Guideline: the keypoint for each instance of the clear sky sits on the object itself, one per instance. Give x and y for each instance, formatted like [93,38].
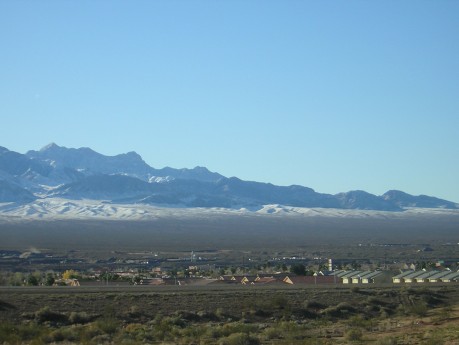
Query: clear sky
[333,95]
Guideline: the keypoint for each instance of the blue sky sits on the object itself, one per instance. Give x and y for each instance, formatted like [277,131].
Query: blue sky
[333,95]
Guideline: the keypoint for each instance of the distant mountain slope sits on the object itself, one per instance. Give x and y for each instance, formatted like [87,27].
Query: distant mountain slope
[403,199]
[104,187]
[33,174]
[257,193]
[9,192]
[67,173]
[15,163]
[90,162]
[365,201]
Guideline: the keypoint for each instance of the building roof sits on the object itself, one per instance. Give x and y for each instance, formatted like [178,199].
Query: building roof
[265,280]
[232,278]
[343,274]
[371,275]
[426,275]
[452,275]
[311,279]
[414,274]
[363,274]
[328,273]
[439,275]
[403,274]
[350,274]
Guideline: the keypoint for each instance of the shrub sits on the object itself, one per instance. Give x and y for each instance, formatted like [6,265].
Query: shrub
[435,339]
[5,305]
[208,316]
[90,332]
[188,316]
[360,322]
[354,334]
[384,313]
[69,334]
[419,309]
[220,313]
[314,305]
[133,312]
[12,334]
[343,309]
[445,313]
[79,317]
[31,331]
[387,341]
[240,339]
[355,289]
[306,314]
[195,332]
[108,325]
[230,328]
[375,301]
[278,302]
[101,339]
[45,314]
[262,313]
[271,333]
[431,300]
[56,336]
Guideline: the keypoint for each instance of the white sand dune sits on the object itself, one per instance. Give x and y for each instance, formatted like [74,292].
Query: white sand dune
[56,208]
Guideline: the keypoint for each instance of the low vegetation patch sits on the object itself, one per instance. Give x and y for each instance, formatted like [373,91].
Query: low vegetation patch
[232,317]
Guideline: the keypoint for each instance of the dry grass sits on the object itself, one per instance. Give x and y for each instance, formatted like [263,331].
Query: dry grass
[380,316]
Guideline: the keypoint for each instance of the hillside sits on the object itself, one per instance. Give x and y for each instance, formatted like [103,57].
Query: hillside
[61,173]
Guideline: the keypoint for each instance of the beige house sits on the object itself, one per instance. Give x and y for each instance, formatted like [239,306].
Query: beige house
[399,278]
[410,277]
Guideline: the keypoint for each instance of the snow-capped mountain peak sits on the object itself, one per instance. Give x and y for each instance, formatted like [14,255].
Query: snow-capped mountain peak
[68,173]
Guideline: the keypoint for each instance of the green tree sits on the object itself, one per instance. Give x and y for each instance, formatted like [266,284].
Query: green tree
[32,280]
[49,280]
[70,274]
[355,265]
[17,279]
[136,280]
[323,267]
[298,269]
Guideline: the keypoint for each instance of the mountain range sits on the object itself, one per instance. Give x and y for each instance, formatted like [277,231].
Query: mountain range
[66,173]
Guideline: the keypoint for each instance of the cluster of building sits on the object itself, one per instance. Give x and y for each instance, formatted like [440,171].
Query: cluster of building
[319,278]
[358,277]
[348,277]
[323,277]
[422,276]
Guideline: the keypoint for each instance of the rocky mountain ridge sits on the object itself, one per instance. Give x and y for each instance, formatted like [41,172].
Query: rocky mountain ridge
[68,173]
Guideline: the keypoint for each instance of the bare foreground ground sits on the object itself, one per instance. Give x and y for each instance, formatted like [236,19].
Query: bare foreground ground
[230,315]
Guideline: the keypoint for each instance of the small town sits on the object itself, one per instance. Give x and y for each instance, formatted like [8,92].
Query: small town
[38,269]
